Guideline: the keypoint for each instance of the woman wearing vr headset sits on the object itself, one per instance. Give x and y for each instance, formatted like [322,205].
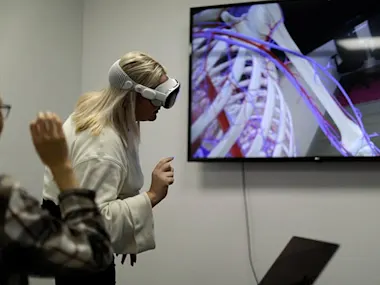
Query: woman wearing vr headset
[103,136]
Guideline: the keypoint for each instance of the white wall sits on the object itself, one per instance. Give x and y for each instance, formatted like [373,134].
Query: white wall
[40,69]
[200,228]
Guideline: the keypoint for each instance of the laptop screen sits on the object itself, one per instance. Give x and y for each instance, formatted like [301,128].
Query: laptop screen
[300,263]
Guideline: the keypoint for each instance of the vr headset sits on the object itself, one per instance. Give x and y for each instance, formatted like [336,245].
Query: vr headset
[164,95]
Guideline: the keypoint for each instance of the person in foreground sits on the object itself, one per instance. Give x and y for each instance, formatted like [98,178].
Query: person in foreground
[103,136]
[32,242]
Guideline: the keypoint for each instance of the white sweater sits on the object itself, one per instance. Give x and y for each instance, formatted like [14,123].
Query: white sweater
[104,163]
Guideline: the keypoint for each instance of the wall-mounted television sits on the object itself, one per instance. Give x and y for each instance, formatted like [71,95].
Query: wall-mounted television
[287,80]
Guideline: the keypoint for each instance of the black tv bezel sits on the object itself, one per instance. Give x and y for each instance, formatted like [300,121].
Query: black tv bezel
[190,158]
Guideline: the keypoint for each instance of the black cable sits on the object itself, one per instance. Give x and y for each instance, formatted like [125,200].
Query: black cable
[245,194]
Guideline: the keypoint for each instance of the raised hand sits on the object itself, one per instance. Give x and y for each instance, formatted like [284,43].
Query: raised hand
[49,140]
[162,177]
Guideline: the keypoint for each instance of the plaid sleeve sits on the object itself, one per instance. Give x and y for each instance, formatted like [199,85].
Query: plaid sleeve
[78,241]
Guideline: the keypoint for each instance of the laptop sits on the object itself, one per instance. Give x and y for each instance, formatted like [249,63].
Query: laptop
[300,263]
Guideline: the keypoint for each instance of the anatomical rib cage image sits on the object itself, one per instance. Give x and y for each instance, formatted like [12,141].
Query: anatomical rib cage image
[278,80]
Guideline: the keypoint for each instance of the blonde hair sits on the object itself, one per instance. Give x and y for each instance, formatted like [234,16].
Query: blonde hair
[114,107]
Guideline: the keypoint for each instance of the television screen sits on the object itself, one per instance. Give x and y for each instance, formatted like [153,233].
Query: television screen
[285,80]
